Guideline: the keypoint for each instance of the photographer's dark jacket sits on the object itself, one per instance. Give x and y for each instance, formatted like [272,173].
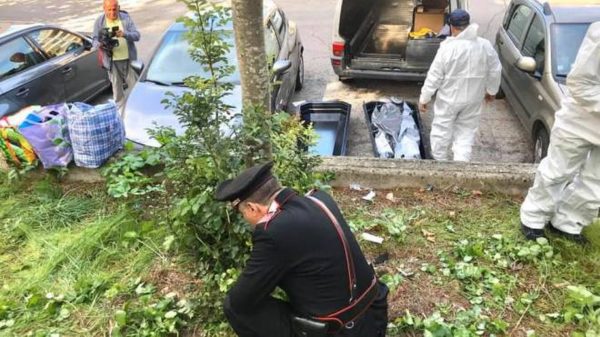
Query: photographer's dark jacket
[299,251]
[131,35]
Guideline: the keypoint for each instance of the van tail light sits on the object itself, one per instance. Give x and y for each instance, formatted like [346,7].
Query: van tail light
[335,62]
[338,48]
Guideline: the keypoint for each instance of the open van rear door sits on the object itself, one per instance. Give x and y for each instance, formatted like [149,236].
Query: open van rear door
[454,4]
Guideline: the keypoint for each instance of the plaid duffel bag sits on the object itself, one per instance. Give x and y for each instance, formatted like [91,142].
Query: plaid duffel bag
[96,133]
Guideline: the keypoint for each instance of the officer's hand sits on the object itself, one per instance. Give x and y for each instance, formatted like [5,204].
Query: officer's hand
[423,107]
[489,98]
[120,33]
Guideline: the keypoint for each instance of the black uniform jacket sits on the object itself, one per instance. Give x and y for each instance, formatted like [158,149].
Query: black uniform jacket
[299,251]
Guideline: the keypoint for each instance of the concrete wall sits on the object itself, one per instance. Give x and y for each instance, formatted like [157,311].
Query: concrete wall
[513,179]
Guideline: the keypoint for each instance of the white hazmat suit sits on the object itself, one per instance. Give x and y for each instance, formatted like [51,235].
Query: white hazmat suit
[465,68]
[566,190]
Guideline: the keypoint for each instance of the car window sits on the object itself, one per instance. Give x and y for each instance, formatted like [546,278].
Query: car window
[56,42]
[278,21]
[566,41]
[534,45]
[518,22]
[271,44]
[16,56]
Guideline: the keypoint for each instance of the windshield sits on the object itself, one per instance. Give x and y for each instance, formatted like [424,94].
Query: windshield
[172,62]
[566,41]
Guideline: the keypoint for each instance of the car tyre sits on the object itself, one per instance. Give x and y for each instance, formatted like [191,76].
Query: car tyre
[500,94]
[300,75]
[541,143]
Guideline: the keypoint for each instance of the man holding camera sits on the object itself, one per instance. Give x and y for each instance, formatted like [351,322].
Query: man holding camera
[115,34]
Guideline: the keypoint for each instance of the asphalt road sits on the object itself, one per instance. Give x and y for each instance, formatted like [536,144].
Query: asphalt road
[501,137]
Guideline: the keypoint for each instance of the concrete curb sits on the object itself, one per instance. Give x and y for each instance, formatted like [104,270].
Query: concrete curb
[512,179]
[389,174]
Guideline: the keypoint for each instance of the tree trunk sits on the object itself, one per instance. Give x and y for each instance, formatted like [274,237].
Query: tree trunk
[252,65]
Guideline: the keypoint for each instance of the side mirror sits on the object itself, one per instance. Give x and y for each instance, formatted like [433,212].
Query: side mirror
[281,67]
[87,45]
[137,66]
[527,64]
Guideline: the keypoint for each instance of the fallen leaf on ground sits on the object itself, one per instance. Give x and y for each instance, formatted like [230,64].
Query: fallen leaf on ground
[429,236]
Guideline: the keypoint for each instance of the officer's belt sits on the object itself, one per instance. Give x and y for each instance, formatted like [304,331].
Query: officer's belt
[346,316]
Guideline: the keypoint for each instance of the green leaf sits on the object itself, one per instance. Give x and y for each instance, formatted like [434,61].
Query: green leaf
[121,317]
[171,314]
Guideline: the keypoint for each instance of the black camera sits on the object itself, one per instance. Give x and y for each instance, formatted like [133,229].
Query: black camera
[107,40]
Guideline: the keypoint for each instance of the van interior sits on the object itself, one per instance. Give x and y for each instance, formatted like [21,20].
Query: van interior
[383,39]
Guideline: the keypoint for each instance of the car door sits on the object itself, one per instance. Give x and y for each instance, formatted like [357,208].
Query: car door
[288,52]
[26,78]
[532,93]
[510,41]
[82,75]
[272,48]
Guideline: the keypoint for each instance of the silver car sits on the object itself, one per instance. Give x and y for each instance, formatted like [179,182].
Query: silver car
[537,44]
[171,64]
[43,64]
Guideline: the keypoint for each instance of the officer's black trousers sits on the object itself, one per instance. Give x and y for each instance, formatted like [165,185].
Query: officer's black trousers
[273,319]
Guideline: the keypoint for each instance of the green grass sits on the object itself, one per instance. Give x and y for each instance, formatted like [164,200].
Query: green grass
[470,264]
[77,263]
[61,251]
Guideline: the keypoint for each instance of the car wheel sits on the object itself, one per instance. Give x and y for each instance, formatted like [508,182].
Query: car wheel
[500,94]
[542,140]
[300,75]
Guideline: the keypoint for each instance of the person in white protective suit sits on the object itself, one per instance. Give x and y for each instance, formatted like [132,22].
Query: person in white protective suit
[465,71]
[566,192]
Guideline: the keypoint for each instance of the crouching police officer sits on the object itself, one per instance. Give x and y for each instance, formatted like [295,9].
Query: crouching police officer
[303,245]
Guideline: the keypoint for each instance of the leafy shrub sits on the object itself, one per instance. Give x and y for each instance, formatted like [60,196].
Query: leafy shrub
[214,147]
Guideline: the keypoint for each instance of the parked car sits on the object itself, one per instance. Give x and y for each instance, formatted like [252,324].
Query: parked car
[537,44]
[171,63]
[44,64]
[371,38]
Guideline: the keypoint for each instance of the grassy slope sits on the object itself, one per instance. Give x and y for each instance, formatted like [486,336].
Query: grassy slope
[70,257]
[421,227]
[61,250]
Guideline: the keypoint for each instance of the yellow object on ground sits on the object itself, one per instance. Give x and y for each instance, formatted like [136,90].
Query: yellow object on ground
[421,33]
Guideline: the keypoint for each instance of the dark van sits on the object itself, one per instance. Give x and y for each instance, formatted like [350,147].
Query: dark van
[372,38]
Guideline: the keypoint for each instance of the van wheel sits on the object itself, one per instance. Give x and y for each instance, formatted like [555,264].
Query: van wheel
[500,94]
[300,75]
[345,79]
[542,140]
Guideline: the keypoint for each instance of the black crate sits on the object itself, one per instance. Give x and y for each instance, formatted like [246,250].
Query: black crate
[331,121]
[369,107]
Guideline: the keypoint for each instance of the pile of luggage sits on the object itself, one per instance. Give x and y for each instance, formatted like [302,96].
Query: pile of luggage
[57,134]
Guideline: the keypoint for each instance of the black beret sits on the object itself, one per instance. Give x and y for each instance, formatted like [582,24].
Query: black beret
[241,187]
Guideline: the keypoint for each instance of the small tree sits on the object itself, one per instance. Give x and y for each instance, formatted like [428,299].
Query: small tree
[206,154]
[252,65]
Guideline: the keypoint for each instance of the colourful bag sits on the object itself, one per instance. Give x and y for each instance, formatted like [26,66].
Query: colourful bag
[48,134]
[96,133]
[15,148]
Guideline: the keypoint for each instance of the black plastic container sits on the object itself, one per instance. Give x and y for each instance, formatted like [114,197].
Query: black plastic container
[369,107]
[331,121]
